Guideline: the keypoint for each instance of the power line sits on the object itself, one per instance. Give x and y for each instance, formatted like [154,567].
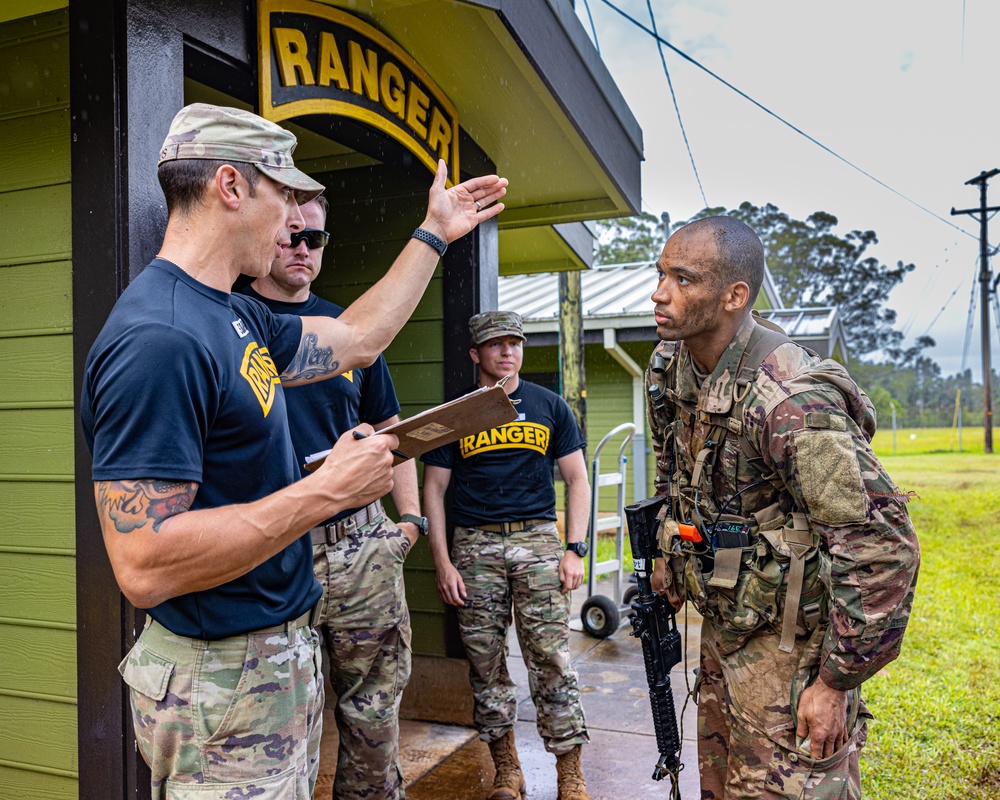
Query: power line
[782,120]
[968,327]
[590,16]
[939,313]
[673,96]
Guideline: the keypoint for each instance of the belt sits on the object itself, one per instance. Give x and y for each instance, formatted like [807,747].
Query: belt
[333,532]
[510,527]
[301,621]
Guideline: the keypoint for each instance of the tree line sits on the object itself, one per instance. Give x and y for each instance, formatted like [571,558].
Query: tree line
[813,265]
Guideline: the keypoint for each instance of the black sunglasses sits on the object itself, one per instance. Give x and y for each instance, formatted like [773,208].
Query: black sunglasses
[313,237]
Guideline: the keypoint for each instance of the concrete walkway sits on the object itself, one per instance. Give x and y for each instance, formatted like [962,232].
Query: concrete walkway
[448,762]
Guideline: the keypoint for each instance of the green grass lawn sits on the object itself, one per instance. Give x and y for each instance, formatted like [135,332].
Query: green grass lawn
[909,441]
[937,708]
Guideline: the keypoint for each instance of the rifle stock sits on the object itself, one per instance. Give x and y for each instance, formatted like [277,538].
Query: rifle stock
[655,625]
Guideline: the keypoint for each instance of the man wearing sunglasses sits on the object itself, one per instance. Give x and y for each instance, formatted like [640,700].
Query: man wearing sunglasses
[358,554]
[198,495]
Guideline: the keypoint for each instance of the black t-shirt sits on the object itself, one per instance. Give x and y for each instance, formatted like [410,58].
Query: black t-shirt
[182,384]
[319,413]
[505,474]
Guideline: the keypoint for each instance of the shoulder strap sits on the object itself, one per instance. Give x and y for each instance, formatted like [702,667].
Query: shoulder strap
[763,342]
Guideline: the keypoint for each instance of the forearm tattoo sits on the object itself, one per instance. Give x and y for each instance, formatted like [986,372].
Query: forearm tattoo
[311,362]
[133,504]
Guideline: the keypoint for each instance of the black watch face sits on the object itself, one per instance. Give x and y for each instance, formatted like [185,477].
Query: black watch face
[580,548]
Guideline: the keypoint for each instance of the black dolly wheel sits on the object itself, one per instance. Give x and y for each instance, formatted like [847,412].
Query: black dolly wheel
[600,616]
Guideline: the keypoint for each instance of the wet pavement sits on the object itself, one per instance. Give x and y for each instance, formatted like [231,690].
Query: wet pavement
[448,762]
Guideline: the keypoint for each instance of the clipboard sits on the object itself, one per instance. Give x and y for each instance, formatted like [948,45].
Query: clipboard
[477,411]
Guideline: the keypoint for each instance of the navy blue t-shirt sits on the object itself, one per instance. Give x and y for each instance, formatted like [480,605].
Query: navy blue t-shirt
[505,474]
[319,413]
[182,384]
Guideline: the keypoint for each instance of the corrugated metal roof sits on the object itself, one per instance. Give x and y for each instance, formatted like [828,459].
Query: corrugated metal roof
[803,322]
[622,290]
[619,297]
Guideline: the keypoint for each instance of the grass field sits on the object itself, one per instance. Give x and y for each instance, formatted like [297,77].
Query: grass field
[937,707]
[909,441]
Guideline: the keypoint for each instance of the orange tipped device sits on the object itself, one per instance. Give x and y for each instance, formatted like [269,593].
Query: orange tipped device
[689,533]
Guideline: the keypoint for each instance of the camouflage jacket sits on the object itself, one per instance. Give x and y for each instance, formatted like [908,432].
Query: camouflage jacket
[808,427]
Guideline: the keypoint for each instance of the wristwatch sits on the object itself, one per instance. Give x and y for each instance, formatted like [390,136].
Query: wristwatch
[420,522]
[580,548]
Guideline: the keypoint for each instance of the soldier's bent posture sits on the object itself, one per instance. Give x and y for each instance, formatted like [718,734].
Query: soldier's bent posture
[785,531]
[507,553]
[358,554]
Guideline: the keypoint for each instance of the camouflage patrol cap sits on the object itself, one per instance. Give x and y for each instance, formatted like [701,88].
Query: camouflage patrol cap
[491,324]
[218,133]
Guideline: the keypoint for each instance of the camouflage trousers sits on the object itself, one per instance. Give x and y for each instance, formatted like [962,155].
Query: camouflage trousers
[365,627]
[235,717]
[747,746]
[518,572]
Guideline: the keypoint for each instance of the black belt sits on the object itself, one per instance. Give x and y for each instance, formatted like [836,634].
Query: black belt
[510,527]
[333,532]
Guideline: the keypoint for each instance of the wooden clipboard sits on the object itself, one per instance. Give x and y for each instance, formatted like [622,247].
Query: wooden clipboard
[469,414]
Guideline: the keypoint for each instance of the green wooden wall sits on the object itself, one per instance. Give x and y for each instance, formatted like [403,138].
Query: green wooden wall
[609,404]
[38,725]
[352,263]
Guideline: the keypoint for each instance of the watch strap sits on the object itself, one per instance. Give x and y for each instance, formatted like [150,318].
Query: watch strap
[413,519]
[427,237]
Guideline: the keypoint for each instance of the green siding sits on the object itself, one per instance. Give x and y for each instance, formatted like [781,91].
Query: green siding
[609,404]
[416,357]
[38,720]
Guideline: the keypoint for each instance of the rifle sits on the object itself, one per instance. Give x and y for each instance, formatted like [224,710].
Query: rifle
[655,625]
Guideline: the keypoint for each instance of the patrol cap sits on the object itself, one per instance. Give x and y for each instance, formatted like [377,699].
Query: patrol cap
[491,324]
[218,133]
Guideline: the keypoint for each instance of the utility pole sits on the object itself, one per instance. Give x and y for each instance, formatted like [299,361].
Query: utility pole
[984,284]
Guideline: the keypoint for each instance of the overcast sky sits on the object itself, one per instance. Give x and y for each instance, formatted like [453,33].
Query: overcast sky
[903,90]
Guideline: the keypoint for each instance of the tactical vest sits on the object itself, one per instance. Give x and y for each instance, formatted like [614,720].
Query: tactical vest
[745,573]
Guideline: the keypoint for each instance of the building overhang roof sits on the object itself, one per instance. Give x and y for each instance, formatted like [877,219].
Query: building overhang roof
[533,93]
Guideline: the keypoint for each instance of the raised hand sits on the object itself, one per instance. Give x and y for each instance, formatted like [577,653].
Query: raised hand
[452,213]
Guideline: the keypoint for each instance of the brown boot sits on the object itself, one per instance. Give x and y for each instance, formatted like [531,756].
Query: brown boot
[572,786]
[509,782]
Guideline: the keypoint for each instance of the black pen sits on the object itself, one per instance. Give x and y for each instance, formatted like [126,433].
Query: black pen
[400,453]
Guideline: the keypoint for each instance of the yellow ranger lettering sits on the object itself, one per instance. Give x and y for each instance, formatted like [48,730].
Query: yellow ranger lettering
[512,436]
[364,71]
[259,371]
[338,64]
[331,67]
[293,56]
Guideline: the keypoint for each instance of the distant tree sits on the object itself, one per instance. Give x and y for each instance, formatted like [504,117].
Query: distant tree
[630,239]
[811,265]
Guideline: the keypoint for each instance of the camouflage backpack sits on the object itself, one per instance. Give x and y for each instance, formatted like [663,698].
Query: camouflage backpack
[722,568]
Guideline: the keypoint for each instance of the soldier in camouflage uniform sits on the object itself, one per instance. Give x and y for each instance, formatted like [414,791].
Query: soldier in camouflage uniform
[508,556]
[183,408]
[358,554]
[783,528]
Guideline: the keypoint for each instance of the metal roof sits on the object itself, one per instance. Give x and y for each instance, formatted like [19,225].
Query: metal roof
[619,297]
[620,291]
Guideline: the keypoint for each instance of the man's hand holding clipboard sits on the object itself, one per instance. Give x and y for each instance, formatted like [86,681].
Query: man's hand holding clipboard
[469,414]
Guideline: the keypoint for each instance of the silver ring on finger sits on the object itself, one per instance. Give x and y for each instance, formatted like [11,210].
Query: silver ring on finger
[478,206]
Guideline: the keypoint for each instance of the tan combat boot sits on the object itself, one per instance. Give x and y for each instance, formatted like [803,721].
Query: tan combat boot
[572,786]
[509,782]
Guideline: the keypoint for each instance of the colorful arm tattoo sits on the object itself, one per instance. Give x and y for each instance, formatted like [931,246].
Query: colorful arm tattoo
[132,504]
